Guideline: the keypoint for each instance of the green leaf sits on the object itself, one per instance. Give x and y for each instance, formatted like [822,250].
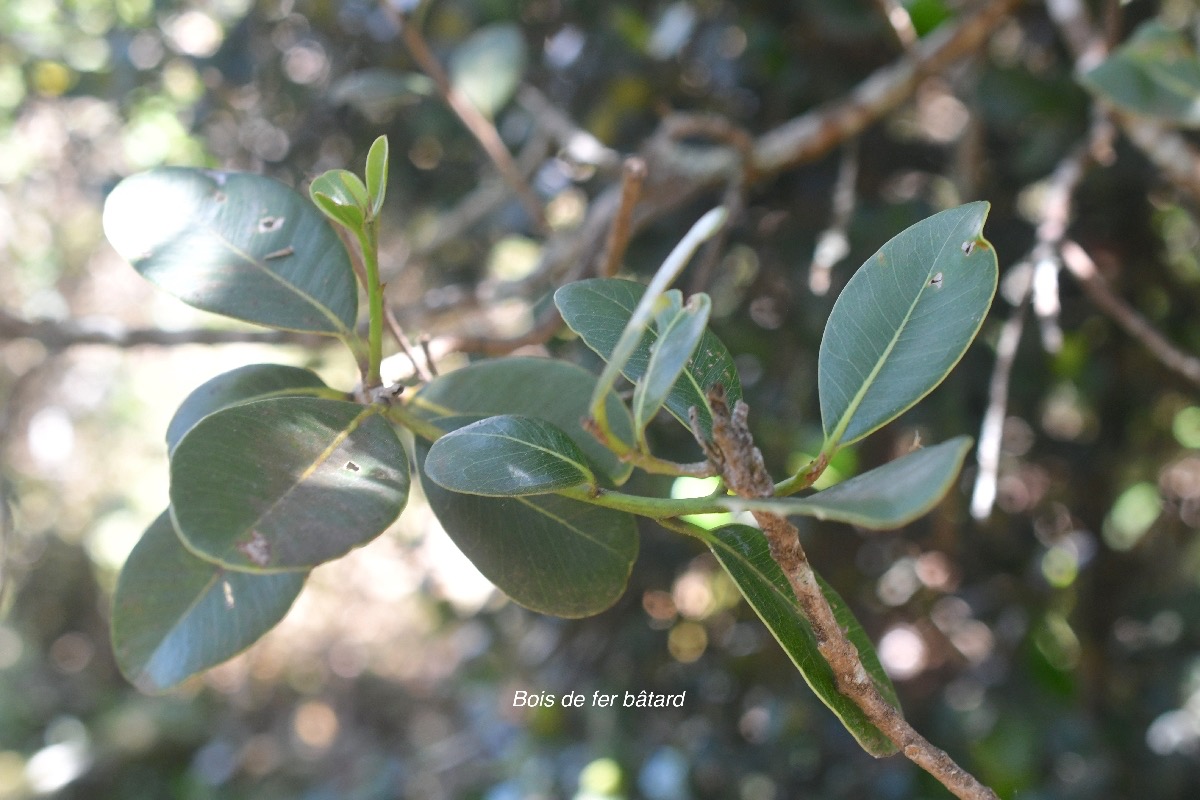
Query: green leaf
[240,245]
[903,321]
[341,196]
[548,553]
[554,391]
[679,332]
[286,483]
[379,93]
[1156,74]
[349,216]
[488,66]
[507,456]
[643,313]
[252,382]
[175,615]
[743,552]
[600,308]
[884,498]
[377,174]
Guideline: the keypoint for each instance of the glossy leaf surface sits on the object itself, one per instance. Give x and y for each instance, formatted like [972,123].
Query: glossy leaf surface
[904,320]
[507,456]
[377,174]
[287,482]
[341,196]
[554,391]
[884,498]
[240,245]
[1156,74]
[175,614]
[251,382]
[600,308]
[743,552]
[548,553]
[679,333]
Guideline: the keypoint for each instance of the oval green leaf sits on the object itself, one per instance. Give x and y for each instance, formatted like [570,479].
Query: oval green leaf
[286,483]
[903,321]
[883,499]
[745,555]
[175,615]
[377,174]
[341,196]
[599,309]
[1156,74]
[679,335]
[548,553]
[378,93]
[251,382]
[507,456]
[488,66]
[554,391]
[240,245]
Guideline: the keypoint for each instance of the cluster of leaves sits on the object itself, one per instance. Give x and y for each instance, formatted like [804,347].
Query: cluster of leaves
[273,472]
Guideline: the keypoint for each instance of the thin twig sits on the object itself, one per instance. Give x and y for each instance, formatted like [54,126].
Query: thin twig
[577,145]
[833,244]
[61,334]
[633,175]
[427,349]
[1083,268]
[421,366]
[542,331]
[740,464]
[900,21]
[1034,277]
[479,125]
[991,432]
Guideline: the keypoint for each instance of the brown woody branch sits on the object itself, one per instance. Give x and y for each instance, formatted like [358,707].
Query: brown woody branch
[1081,266]
[733,454]
[61,334]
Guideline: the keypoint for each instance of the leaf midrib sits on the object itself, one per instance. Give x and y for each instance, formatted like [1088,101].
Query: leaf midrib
[844,422]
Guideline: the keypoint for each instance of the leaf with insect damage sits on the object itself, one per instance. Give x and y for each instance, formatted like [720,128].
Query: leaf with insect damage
[175,615]
[240,245]
[903,322]
[286,483]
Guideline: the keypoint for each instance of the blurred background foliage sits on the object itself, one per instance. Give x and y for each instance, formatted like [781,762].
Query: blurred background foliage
[1053,647]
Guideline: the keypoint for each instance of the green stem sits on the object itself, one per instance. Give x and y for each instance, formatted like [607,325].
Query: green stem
[686,528]
[399,414]
[806,477]
[368,240]
[657,508]
[648,462]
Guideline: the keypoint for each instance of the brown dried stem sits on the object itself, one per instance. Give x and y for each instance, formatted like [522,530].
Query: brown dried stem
[479,125]
[1081,265]
[732,452]
[633,175]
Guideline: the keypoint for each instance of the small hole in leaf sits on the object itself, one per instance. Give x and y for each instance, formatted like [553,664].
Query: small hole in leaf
[936,281]
[968,248]
[269,224]
[227,587]
[350,465]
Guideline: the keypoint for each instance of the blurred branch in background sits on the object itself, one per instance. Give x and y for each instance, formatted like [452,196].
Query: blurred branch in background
[62,334]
